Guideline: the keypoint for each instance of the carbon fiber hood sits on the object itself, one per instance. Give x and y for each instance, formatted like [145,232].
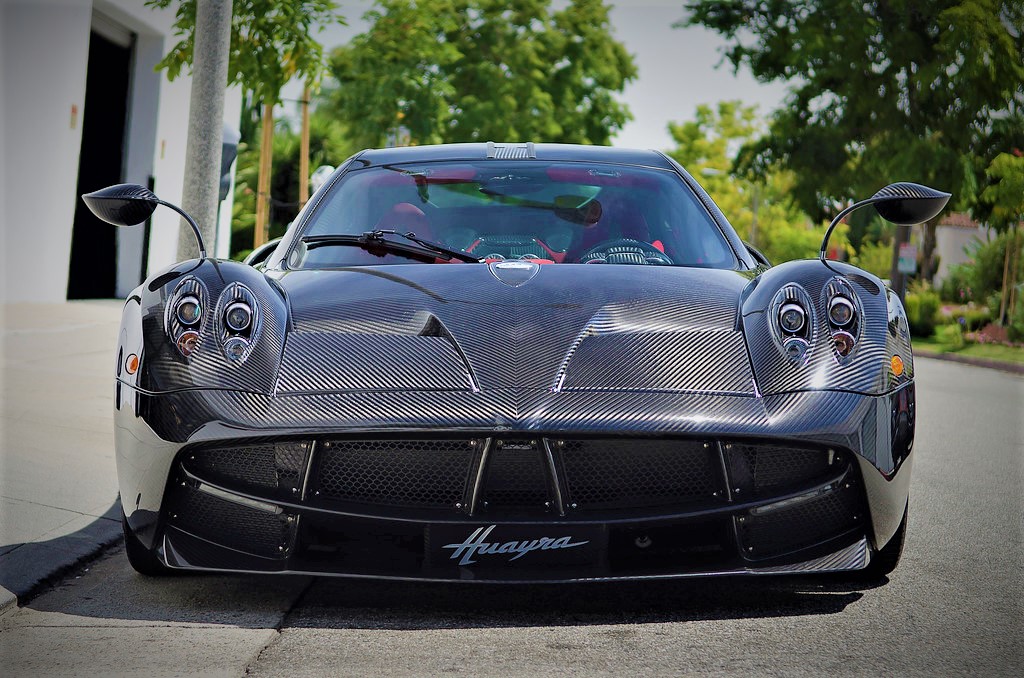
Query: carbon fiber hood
[514,326]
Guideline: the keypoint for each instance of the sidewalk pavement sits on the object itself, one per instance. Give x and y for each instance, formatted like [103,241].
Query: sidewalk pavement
[1016,368]
[58,489]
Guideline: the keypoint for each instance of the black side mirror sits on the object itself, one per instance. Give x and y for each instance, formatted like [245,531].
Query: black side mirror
[123,204]
[131,204]
[903,203]
[906,204]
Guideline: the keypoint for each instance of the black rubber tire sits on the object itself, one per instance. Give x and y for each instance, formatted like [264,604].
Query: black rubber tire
[142,560]
[885,561]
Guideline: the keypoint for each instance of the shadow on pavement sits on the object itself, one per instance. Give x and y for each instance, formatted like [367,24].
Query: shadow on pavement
[335,603]
[26,567]
[111,590]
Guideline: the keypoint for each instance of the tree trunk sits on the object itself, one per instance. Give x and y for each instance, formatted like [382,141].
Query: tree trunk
[304,150]
[1014,273]
[1004,294]
[928,243]
[201,189]
[263,183]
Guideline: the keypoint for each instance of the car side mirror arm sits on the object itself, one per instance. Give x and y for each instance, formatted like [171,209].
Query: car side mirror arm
[902,203]
[131,204]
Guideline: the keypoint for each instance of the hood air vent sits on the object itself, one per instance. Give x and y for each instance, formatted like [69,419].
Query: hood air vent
[511,151]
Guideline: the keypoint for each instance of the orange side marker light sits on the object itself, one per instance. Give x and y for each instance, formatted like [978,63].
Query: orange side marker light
[897,365]
[132,364]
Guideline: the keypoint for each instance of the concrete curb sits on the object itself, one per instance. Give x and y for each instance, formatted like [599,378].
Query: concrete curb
[28,568]
[1015,368]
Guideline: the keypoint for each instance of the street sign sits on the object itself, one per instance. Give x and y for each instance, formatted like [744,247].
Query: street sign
[908,258]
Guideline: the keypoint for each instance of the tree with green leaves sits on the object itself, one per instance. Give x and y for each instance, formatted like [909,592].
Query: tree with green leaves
[329,145]
[759,208]
[476,70]
[1004,198]
[272,41]
[883,90]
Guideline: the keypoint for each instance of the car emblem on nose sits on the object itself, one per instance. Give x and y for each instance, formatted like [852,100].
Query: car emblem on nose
[475,546]
[514,273]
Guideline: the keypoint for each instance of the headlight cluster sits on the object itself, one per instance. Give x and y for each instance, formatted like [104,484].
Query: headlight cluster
[184,316]
[843,317]
[235,321]
[792,320]
[239,321]
[792,323]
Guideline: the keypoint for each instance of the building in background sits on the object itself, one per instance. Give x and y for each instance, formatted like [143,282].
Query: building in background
[956,238]
[83,108]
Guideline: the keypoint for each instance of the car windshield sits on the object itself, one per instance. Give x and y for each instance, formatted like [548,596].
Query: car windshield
[547,212]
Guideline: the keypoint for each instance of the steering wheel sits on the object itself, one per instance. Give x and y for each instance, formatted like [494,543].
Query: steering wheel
[625,251]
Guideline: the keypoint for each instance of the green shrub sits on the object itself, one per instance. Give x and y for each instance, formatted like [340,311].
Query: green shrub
[969,318]
[874,257]
[951,336]
[1015,330]
[956,287]
[922,311]
[981,279]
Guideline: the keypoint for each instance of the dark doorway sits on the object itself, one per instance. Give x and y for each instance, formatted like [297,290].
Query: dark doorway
[93,270]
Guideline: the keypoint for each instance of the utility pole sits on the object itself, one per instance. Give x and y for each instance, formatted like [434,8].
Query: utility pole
[756,204]
[206,121]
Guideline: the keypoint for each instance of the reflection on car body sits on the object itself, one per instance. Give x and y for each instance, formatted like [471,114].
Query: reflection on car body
[486,362]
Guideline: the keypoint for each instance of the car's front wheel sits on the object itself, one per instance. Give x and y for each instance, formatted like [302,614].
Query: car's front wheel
[884,561]
[141,559]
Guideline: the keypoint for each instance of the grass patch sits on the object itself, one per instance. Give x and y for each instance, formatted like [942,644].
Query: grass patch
[1006,354]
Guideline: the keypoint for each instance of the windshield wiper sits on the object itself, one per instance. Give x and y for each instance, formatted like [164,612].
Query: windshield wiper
[379,234]
[371,239]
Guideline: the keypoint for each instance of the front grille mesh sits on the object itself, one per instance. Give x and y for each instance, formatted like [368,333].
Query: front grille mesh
[596,474]
[277,467]
[516,476]
[802,525]
[224,522]
[639,473]
[780,466]
[410,473]
[766,468]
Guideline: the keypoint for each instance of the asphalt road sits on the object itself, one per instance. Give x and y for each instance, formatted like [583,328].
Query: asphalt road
[954,606]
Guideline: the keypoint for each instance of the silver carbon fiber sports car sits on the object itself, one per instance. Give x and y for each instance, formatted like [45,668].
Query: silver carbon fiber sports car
[514,362]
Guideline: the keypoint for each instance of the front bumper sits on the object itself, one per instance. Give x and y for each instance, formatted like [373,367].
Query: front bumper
[204,499]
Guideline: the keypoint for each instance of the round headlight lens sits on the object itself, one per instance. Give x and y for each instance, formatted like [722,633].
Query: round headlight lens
[235,348]
[188,342]
[844,343]
[840,311]
[238,316]
[792,318]
[795,349]
[189,311]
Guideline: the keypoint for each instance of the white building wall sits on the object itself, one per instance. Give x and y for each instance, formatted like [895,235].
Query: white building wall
[43,50]
[143,106]
[954,246]
[3,170]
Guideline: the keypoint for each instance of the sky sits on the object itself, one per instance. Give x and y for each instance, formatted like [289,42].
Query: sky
[678,69]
